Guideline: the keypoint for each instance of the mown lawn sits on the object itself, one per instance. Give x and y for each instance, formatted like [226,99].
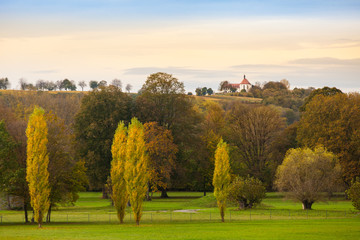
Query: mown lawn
[280,229]
[276,218]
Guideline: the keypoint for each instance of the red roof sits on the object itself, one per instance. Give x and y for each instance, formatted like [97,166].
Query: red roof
[245,81]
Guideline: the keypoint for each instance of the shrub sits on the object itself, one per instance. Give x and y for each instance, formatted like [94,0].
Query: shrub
[246,192]
[354,193]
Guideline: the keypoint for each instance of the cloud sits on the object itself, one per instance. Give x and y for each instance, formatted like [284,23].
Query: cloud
[45,71]
[326,61]
[182,71]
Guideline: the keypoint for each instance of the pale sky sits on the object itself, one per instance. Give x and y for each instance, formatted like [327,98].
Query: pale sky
[311,43]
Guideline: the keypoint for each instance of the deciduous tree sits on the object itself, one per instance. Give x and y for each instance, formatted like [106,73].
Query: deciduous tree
[221,179]
[162,153]
[252,130]
[136,167]
[334,122]
[37,174]
[305,175]
[119,195]
[95,124]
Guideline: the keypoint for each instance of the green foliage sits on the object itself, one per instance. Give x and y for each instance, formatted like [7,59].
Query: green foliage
[67,176]
[136,167]
[4,83]
[162,154]
[119,195]
[253,132]
[93,84]
[95,124]
[306,174]
[37,174]
[198,91]
[334,122]
[246,192]
[325,91]
[162,99]
[7,158]
[221,179]
[354,193]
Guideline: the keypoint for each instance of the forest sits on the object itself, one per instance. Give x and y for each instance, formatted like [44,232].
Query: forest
[181,134]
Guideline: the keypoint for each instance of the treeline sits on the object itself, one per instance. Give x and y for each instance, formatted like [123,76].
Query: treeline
[66,84]
[181,131]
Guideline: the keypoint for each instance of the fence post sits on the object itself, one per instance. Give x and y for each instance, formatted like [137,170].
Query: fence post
[270,214]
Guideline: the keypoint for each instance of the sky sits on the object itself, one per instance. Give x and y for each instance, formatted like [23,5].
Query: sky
[311,43]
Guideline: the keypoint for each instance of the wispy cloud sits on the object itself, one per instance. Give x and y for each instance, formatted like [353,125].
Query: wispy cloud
[182,71]
[44,71]
[327,61]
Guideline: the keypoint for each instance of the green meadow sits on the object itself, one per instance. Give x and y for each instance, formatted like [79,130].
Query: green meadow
[189,215]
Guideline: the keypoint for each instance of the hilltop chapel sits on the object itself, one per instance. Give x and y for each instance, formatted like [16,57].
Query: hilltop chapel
[244,85]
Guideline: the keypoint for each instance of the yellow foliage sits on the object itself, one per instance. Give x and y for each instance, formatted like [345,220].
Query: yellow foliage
[37,174]
[119,192]
[136,167]
[221,179]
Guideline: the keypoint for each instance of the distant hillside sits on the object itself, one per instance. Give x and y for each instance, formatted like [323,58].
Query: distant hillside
[226,98]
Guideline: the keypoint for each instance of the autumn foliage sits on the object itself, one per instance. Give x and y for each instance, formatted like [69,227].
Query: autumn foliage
[37,174]
[221,179]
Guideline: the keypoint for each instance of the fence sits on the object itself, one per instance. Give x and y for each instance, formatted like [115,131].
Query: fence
[187,216]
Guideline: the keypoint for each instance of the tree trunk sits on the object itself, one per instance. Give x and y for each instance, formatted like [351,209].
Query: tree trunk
[204,186]
[148,197]
[105,194]
[164,193]
[48,216]
[306,205]
[25,211]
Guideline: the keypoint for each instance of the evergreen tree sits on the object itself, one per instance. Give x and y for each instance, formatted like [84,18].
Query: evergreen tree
[221,179]
[119,192]
[136,167]
[37,174]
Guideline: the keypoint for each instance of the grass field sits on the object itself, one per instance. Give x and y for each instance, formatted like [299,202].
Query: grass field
[198,218]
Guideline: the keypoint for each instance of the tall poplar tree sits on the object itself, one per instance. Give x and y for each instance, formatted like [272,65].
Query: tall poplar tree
[119,192]
[37,174]
[221,179]
[136,167]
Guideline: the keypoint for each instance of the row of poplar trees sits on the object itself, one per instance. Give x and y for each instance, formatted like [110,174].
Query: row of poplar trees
[129,169]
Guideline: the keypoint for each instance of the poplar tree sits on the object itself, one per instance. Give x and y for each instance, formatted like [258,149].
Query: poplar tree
[119,192]
[37,161]
[221,179]
[136,165]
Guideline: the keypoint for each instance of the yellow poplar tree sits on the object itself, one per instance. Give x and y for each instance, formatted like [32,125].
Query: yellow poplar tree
[119,192]
[221,179]
[37,174]
[136,167]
